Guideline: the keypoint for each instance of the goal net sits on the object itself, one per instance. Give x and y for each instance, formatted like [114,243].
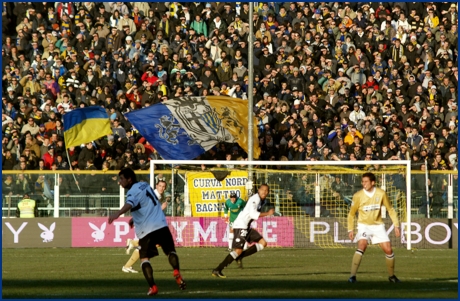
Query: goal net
[311,199]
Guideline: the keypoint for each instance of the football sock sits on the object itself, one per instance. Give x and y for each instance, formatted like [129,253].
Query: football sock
[230,240]
[148,272]
[356,261]
[229,259]
[390,261]
[173,260]
[134,257]
[135,243]
[251,250]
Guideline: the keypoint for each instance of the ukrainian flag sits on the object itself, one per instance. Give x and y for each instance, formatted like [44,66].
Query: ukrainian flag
[85,125]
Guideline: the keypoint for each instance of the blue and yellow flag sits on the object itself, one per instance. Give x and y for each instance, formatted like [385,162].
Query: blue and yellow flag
[184,128]
[85,125]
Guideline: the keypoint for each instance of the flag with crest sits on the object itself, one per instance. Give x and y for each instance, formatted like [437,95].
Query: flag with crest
[186,127]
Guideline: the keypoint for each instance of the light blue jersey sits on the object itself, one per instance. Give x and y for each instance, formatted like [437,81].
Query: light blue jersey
[146,209]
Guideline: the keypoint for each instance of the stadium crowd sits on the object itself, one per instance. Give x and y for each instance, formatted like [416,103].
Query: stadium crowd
[333,81]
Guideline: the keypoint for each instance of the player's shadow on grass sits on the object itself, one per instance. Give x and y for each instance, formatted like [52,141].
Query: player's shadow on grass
[235,286]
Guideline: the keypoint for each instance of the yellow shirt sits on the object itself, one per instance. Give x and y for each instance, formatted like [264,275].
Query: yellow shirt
[432,22]
[350,139]
[26,208]
[369,209]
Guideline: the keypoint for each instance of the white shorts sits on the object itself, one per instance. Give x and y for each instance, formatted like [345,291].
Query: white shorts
[374,233]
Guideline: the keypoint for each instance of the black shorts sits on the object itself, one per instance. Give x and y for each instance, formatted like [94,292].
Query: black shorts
[241,236]
[148,244]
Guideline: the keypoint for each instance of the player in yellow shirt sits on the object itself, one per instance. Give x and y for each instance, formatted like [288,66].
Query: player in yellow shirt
[368,203]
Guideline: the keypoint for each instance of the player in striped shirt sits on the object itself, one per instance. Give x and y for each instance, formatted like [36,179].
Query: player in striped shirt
[368,203]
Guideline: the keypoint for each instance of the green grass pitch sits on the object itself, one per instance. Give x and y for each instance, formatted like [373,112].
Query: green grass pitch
[88,273]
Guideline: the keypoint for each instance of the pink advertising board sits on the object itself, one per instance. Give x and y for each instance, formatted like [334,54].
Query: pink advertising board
[96,232]
[187,231]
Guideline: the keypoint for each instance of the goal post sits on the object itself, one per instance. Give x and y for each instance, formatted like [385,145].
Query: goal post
[308,219]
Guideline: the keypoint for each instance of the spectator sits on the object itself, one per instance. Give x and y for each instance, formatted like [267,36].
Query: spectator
[383,75]
[27,208]
[341,190]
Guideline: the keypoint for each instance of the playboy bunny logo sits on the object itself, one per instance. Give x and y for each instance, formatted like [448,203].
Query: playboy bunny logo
[48,234]
[98,234]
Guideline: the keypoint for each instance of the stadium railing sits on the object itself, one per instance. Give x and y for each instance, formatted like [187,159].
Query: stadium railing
[98,192]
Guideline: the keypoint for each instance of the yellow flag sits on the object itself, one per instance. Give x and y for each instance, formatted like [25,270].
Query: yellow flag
[234,115]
